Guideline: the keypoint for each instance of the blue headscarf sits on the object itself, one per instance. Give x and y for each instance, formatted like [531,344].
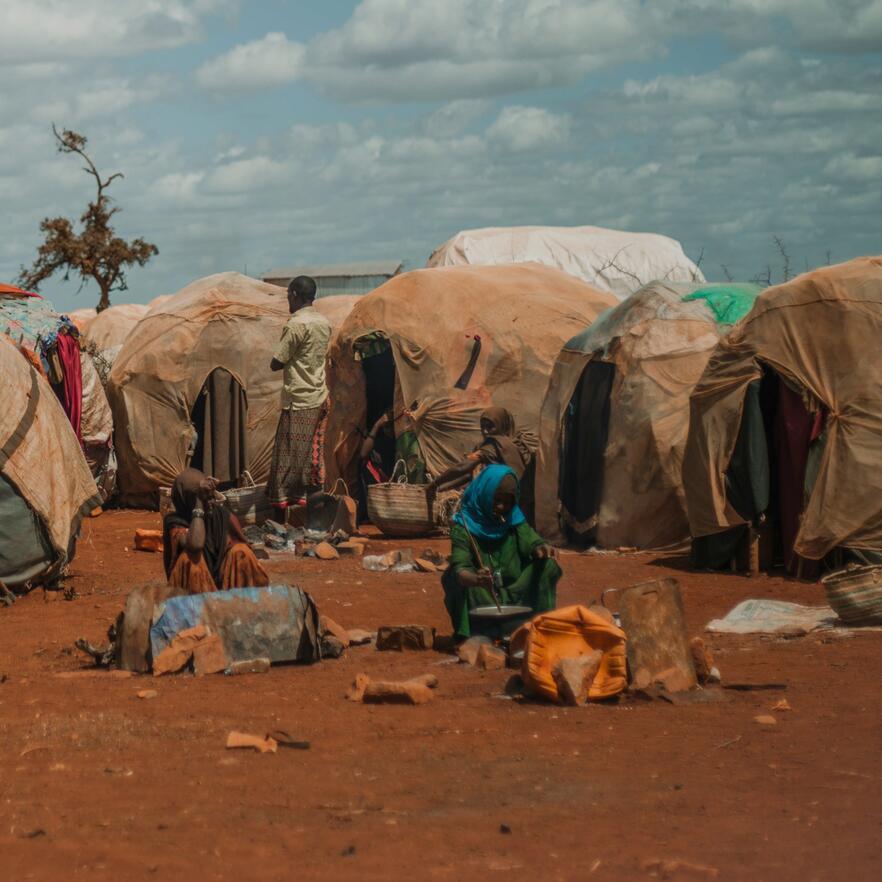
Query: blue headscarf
[476,511]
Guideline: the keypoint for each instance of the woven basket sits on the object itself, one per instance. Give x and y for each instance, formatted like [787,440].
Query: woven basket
[249,503]
[399,508]
[855,593]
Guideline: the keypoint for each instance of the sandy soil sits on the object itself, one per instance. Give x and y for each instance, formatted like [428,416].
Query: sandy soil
[97,784]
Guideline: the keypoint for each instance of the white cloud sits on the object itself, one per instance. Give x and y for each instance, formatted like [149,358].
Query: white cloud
[529,128]
[271,61]
[856,168]
[51,30]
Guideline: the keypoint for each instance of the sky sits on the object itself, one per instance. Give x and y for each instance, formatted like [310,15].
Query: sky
[262,134]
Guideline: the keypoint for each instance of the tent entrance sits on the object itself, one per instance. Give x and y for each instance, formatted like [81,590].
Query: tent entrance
[770,478]
[220,416]
[585,433]
[378,365]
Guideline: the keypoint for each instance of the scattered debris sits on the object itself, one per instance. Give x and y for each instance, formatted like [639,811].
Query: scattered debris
[772,617]
[332,647]
[504,829]
[424,566]
[491,658]
[248,666]
[729,743]
[326,551]
[147,693]
[284,739]
[148,540]
[255,742]
[669,868]
[7,598]
[417,690]
[702,659]
[351,549]
[652,617]
[468,650]
[765,720]
[329,626]
[401,637]
[782,705]
[358,637]
[209,656]
[178,653]
[392,561]
[574,676]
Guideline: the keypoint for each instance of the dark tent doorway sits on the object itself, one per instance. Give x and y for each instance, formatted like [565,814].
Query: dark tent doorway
[220,416]
[586,430]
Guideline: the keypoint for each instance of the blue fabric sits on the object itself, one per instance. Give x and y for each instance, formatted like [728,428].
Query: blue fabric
[476,511]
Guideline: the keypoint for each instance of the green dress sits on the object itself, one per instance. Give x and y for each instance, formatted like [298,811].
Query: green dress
[526,582]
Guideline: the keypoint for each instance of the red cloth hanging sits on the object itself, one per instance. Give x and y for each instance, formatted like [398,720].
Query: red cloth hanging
[71,394]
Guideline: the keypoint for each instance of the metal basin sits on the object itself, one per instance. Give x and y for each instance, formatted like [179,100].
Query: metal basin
[498,623]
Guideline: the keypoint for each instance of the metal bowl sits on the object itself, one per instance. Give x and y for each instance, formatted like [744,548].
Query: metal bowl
[502,613]
[498,623]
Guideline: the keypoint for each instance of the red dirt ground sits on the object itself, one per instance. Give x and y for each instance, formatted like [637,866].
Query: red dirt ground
[97,784]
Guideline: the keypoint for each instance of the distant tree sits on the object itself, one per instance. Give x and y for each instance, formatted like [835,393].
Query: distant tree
[94,253]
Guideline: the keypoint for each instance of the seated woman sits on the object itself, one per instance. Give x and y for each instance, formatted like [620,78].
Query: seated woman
[490,536]
[499,444]
[204,546]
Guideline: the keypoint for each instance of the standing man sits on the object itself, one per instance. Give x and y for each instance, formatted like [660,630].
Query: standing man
[298,463]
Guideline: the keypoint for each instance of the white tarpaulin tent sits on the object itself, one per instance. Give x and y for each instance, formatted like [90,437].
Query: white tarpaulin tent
[612,260]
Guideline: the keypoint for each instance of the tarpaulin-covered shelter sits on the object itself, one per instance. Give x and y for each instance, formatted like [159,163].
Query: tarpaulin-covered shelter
[109,328]
[614,421]
[52,343]
[451,341]
[45,485]
[612,260]
[82,318]
[786,422]
[191,384]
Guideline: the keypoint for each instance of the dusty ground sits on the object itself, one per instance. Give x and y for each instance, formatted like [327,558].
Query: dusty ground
[97,784]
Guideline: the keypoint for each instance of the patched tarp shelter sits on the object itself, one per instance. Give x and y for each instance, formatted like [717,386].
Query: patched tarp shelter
[52,343]
[786,421]
[109,328]
[191,384]
[82,317]
[615,418]
[45,485]
[611,260]
[459,340]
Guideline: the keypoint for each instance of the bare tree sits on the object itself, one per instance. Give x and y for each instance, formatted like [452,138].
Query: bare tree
[726,273]
[785,258]
[96,252]
[764,278]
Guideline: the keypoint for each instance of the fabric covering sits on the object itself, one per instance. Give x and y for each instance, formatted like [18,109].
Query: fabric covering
[623,463]
[476,512]
[820,333]
[432,317]
[41,459]
[227,320]
[109,328]
[611,260]
[220,416]
[298,454]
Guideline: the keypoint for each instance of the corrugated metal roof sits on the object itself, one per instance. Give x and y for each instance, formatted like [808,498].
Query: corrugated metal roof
[358,268]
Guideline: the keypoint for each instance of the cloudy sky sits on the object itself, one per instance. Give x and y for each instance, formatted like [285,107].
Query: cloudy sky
[268,133]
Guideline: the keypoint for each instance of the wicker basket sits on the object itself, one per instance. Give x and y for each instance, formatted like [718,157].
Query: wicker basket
[399,508]
[855,594]
[249,503]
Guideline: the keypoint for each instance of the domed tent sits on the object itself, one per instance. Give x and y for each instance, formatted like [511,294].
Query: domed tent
[611,260]
[45,484]
[786,423]
[451,341]
[109,328]
[52,343]
[616,414]
[82,318]
[191,385]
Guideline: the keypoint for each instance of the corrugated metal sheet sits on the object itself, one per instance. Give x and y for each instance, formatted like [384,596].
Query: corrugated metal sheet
[339,278]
